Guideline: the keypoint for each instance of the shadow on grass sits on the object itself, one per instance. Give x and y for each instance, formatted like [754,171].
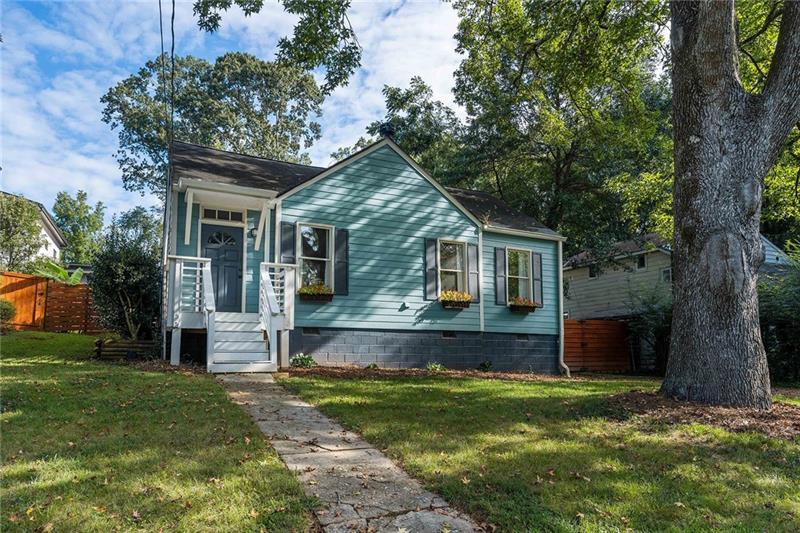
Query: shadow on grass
[546,455]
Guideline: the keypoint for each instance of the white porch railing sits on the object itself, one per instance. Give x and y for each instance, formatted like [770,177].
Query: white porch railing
[276,301]
[191,300]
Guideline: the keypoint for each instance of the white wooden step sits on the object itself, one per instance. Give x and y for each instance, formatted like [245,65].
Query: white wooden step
[240,346]
[238,326]
[240,357]
[227,335]
[236,317]
[258,366]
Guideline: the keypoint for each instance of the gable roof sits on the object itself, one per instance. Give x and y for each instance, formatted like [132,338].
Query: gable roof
[494,213]
[220,166]
[653,242]
[47,219]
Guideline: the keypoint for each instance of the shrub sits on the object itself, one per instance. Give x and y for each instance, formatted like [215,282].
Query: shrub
[315,288]
[485,366]
[126,281]
[455,296]
[372,366]
[302,360]
[7,311]
[433,366]
[779,314]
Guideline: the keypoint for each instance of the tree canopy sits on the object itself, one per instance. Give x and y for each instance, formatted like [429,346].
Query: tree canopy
[20,233]
[238,103]
[82,225]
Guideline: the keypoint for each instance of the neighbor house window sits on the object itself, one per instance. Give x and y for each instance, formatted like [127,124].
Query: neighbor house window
[519,274]
[452,266]
[223,214]
[593,271]
[666,275]
[315,254]
[641,262]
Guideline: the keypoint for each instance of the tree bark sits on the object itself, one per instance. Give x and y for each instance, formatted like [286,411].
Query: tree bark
[726,140]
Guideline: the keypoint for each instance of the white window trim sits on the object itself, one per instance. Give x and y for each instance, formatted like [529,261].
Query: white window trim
[530,274]
[214,221]
[464,272]
[636,264]
[331,252]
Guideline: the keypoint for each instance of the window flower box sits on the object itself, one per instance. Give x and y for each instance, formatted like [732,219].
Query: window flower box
[317,292]
[522,306]
[455,300]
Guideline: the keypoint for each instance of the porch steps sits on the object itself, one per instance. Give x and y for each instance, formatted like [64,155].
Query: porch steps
[239,344]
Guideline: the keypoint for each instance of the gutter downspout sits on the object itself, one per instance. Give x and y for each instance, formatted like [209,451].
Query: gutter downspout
[164,253]
[562,365]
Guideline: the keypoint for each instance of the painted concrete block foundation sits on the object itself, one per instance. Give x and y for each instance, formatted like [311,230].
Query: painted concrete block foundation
[414,349]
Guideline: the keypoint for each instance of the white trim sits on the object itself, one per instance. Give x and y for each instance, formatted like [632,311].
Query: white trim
[277,247]
[524,233]
[267,229]
[368,150]
[530,274]
[560,293]
[260,230]
[187,226]
[661,275]
[185,183]
[480,279]
[465,265]
[298,259]
[213,207]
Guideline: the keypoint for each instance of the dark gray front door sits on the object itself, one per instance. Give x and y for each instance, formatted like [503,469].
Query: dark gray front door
[223,245]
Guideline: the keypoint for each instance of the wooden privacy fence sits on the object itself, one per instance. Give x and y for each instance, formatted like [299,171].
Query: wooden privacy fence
[596,346]
[47,305]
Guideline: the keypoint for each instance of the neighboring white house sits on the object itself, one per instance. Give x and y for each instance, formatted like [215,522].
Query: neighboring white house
[54,241]
[611,288]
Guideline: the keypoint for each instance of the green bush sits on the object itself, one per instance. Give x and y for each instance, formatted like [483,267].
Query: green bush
[779,314]
[372,366]
[433,366]
[7,311]
[302,360]
[485,366]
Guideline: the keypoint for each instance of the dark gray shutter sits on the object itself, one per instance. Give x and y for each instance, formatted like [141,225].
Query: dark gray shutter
[287,243]
[537,278]
[500,276]
[340,262]
[431,269]
[473,269]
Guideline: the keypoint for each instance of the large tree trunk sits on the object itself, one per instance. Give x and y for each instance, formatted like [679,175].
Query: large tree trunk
[726,140]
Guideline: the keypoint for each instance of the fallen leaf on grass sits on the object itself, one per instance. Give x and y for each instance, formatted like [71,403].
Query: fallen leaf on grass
[136,516]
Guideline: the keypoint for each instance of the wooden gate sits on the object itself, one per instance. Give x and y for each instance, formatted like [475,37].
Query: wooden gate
[28,294]
[48,305]
[596,346]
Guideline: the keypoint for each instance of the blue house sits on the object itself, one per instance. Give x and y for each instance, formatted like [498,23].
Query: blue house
[368,261]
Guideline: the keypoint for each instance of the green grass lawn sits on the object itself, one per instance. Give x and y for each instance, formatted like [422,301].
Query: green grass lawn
[543,456]
[89,446]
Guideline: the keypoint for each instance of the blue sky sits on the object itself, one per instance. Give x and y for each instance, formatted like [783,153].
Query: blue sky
[58,58]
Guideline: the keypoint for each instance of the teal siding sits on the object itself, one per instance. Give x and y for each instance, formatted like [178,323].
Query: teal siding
[389,210]
[253,264]
[498,318]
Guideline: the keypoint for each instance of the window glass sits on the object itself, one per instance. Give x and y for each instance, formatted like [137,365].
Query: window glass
[593,271]
[315,260]
[314,241]
[519,274]
[666,275]
[209,213]
[641,262]
[236,216]
[451,266]
[223,215]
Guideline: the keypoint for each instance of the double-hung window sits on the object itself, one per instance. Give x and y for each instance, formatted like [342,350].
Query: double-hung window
[452,266]
[315,246]
[519,274]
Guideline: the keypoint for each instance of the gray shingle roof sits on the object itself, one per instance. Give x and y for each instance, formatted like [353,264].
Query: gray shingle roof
[220,166]
[495,213]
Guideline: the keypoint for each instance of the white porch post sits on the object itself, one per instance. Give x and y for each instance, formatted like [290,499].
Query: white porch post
[284,363]
[175,347]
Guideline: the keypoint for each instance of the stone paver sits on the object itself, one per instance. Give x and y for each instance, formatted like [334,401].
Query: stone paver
[359,487]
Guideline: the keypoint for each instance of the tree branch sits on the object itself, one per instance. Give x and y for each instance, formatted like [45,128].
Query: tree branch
[781,93]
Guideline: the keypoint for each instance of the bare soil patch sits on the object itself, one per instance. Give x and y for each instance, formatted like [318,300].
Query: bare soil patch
[782,421]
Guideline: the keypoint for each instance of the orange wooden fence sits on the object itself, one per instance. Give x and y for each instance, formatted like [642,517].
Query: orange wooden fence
[596,346]
[48,305]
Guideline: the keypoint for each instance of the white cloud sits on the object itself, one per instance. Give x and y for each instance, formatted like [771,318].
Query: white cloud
[59,58]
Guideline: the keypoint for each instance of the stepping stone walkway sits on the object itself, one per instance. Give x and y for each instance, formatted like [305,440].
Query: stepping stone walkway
[359,487]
